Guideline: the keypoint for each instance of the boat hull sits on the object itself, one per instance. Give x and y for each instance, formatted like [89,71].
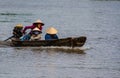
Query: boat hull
[70,42]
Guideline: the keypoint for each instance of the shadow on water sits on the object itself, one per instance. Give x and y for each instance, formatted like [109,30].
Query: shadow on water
[59,49]
[53,49]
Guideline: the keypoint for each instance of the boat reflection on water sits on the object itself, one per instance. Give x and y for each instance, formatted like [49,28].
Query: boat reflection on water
[59,49]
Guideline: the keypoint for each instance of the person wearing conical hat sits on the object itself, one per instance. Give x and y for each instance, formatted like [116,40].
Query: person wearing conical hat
[17,31]
[38,23]
[19,26]
[36,34]
[51,33]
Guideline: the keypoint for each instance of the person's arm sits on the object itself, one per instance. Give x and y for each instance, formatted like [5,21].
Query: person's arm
[27,27]
[56,36]
[47,37]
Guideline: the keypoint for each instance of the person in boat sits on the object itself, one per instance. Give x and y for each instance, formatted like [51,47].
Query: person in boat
[51,33]
[17,31]
[35,34]
[38,23]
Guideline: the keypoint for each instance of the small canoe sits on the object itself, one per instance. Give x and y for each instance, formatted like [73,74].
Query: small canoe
[69,42]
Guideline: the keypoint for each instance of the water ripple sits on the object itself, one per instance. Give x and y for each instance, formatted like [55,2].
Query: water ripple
[13,14]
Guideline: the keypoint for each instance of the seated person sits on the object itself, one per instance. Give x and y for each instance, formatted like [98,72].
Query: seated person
[38,23]
[35,34]
[51,33]
[17,31]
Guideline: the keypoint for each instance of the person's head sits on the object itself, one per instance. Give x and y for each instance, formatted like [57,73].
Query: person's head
[38,23]
[36,31]
[18,26]
[51,31]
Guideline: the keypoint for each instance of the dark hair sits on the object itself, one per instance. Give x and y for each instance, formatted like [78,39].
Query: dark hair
[38,23]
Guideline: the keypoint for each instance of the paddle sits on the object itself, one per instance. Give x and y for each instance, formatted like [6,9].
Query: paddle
[9,38]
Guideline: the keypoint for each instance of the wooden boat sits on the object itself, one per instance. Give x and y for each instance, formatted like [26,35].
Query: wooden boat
[69,42]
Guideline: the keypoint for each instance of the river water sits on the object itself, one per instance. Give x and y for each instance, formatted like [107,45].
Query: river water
[98,20]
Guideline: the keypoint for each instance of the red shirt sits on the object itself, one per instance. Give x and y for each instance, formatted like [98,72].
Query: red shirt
[31,27]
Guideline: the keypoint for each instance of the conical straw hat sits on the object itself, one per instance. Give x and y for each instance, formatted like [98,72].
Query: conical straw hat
[38,21]
[19,25]
[36,29]
[51,30]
